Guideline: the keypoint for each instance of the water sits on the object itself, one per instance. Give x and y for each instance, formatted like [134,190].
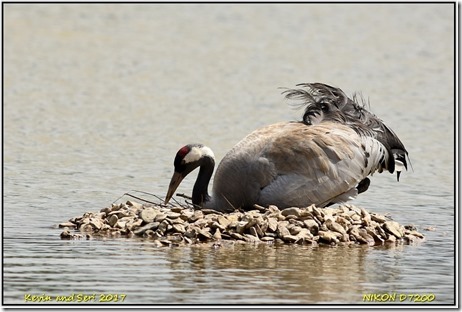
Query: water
[98,98]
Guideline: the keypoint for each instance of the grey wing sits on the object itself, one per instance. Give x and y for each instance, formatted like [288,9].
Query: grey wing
[322,168]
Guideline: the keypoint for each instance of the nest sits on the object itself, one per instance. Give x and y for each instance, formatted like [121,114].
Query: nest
[183,225]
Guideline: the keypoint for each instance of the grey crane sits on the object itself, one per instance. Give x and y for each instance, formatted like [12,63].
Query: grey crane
[286,164]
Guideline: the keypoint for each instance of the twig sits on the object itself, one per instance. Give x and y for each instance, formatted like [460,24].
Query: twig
[142,199]
[189,204]
[158,197]
[184,196]
[261,208]
[139,198]
[118,198]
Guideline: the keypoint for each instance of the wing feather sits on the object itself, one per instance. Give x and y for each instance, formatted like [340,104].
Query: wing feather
[292,164]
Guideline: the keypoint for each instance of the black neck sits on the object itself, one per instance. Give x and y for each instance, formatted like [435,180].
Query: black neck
[200,194]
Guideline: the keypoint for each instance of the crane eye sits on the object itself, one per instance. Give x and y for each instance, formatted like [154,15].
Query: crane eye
[324,107]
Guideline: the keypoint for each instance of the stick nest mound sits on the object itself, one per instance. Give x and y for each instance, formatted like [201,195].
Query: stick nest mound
[183,225]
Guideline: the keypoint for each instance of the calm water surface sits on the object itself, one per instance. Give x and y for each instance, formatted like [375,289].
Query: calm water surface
[98,98]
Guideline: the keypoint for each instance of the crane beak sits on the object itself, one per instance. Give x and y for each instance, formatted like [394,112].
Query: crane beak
[174,183]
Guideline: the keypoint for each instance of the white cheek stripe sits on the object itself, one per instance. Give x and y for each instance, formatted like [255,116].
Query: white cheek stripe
[193,155]
[207,152]
[197,153]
